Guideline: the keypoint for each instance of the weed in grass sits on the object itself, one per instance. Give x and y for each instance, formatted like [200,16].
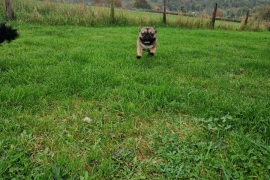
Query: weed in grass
[194,157]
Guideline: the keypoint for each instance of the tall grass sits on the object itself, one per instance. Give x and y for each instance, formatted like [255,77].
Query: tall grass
[47,12]
[254,25]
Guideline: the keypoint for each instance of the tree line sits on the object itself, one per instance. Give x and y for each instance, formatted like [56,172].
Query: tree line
[228,8]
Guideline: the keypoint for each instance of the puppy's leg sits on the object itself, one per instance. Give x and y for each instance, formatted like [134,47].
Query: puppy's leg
[152,51]
[139,50]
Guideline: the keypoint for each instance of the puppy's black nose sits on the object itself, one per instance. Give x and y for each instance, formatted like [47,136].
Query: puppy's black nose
[147,36]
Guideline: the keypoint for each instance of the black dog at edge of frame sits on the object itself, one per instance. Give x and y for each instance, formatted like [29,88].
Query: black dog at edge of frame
[7,33]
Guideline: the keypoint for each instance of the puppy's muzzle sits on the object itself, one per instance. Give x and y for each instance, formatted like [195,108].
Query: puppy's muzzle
[147,39]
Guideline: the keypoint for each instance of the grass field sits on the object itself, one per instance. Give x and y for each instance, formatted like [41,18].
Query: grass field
[75,103]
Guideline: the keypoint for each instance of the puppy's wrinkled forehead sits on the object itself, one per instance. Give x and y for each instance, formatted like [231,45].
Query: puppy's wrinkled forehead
[146,30]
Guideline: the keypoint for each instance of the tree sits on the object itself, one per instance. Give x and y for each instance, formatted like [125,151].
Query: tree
[142,4]
[219,14]
[263,13]
[97,1]
[101,2]
[118,3]
[173,5]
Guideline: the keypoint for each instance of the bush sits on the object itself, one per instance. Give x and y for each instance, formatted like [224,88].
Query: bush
[142,4]
[263,14]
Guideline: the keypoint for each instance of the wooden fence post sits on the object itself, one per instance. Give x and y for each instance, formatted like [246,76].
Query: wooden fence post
[164,12]
[246,19]
[112,18]
[214,15]
[8,10]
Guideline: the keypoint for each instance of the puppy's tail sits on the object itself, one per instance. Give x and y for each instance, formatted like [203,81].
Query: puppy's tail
[7,33]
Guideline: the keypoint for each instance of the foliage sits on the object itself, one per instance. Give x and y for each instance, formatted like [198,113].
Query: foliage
[174,5]
[118,3]
[219,14]
[263,14]
[143,4]
[259,21]
[228,8]
[200,5]
[101,2]
[97,2]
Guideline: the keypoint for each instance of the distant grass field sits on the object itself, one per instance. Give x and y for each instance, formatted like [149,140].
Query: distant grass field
[75,103]
[50,13]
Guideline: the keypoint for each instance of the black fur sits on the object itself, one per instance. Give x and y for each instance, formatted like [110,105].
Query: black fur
[150,54]
[7,33]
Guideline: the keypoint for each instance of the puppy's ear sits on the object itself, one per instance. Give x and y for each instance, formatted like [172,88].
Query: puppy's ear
[141,28]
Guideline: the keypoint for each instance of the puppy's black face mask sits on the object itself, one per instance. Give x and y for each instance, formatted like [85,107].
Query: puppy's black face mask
[148,36]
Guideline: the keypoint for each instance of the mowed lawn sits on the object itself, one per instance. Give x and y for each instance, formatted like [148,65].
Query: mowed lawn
[75,103]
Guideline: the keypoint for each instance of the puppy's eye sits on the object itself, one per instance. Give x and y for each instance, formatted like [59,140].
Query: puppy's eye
[143,34]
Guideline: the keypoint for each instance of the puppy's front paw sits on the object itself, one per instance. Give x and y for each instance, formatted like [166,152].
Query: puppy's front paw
[139,57]
[150,54]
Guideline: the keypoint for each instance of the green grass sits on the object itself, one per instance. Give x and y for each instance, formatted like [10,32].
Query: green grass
[198,109]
